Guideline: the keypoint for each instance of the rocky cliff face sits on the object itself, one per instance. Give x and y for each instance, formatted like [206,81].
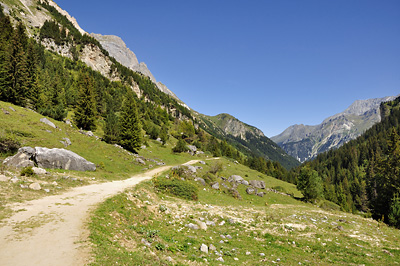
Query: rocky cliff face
[116,47]
[306,142]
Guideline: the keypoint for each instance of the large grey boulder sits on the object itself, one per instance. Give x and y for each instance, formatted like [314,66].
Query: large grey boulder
[235,178]
[257,184]
[20,160]
[62,159]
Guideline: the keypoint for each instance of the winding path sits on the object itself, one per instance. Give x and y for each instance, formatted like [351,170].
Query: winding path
[51,230]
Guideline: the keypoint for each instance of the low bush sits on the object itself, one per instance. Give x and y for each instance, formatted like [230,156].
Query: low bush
[177,187]
[27,171]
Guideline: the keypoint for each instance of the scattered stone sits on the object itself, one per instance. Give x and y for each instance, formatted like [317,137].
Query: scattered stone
[220,259]
[3,178]
[202,225]
[35,186]
[192,226]
[204,248]
[262,254]
[222,223]
[160,163]
[261,194]
[228,236]
[245,182]
[222,236]
[141,161]
[215,185]
[47,122]
[199,167]
[191,168]
[146,243]
[54,183]
[89,134]
[12,109]
[235,259]
[251,190]
[257,184]
[235,193]
[235,178]
[201,180]
[202,162]
[248,253]
[14,180]
[192,148]
[169,258]
[143,147]
[68,122]
[212,247]
[387,252]
[231,221]
[159,140]
[39,171]
[46,190]
[221,242]
[66,142]
[340,228]
[23,186]
[48,131]
[5,111]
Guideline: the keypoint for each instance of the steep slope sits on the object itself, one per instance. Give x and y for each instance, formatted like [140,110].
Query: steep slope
[246,138]
[306,142]
[116,47]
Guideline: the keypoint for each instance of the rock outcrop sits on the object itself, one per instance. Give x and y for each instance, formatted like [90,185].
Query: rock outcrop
[49,158]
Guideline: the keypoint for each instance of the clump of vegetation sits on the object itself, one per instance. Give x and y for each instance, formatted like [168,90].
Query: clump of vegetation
[209,178]
[180,146]
[8,145]
[177,187]
[27,171]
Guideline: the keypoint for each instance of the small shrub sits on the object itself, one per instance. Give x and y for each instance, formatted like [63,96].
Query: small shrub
[8,145]
[180,146]
[280,189]
[209,178]
[160,246]
[162,208]
[216,167]
[27,171]
[177,187]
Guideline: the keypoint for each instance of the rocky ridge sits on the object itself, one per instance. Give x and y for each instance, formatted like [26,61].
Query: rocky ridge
[117,48]
[305,142]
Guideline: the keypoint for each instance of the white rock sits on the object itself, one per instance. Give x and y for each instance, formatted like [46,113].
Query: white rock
[204,248]
[212,247]
[220,259]
[47,122]
[35,186]
[248,253]
[202,225]
[3,178]
[39,171]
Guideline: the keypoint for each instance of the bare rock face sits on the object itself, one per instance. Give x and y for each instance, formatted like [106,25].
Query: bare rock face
[62,159]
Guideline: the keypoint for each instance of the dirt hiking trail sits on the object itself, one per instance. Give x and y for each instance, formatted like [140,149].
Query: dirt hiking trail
[51,230]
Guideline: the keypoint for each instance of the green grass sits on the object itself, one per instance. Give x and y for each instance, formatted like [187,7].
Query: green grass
[25,127]
[286,230]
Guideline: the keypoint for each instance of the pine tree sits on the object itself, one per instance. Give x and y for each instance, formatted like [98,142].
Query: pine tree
[310,184]
[130,126]
[111,128]
[85,112]
[14,75]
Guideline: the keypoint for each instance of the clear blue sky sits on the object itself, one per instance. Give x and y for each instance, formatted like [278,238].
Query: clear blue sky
[270,63]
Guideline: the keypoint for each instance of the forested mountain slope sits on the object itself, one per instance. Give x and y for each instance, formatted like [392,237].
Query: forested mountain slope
[364,174]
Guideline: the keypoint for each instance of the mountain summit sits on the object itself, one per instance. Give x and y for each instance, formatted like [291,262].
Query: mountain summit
[305,142]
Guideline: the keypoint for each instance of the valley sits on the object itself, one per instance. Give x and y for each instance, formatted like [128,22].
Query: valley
[163,184]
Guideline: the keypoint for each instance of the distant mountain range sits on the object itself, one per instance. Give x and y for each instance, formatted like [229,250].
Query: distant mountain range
[305,142]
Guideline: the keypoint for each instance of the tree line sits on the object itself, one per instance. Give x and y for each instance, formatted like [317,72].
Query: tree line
[362,175]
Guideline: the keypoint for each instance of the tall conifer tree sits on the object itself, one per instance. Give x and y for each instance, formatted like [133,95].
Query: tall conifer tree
[130,126]
[85,112]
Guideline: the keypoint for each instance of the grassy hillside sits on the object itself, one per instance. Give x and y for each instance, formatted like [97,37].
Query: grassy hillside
[144,226]
[23,128]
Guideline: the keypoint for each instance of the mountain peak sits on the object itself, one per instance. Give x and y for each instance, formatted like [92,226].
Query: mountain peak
[305,142]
